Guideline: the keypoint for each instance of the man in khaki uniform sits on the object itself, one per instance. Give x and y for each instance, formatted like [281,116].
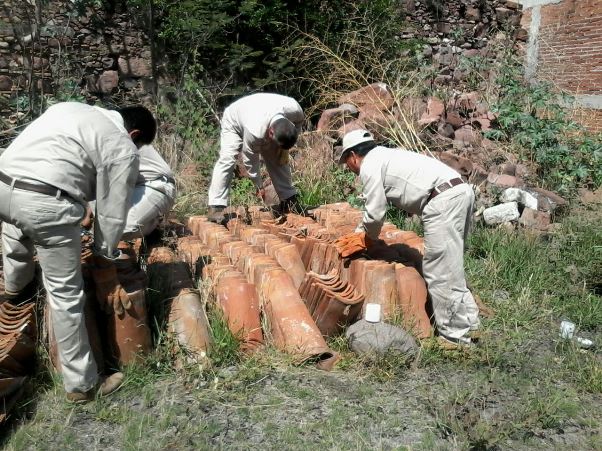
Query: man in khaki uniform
[71,155]
[259,124]
[425,186]
[154,194]
[153,197]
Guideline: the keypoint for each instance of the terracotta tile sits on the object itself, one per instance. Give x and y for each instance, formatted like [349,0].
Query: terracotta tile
[240,304]
[412,299]
[129,335]
[291,326]
[187,321]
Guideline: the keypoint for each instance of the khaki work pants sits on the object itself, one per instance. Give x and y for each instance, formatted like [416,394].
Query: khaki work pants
[446,220]
[50,225]
[231,142]
[149,203]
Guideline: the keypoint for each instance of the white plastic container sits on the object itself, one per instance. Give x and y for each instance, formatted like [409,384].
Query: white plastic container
[372,314]
[567,329]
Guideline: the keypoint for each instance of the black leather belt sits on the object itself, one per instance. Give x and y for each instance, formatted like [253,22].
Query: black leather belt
[165,178]
[444,187]
[36,188]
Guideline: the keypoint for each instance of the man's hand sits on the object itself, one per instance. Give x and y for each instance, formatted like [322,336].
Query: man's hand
[88,219]
[351,243]
[110,294]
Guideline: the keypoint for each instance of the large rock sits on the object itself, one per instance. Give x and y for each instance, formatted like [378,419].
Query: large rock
[334,118]
[533,219]
[377,95]
[524,198]
[134,66]
[547,200]
[108,81]
[379,338]
[501,213]
[503,181]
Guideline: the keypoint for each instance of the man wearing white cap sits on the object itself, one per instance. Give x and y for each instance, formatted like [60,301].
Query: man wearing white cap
[260,124]
[419,185]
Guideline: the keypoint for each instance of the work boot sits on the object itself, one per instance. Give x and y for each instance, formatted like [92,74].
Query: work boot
[106,386]
[454,344]
[216,213]
[21,297]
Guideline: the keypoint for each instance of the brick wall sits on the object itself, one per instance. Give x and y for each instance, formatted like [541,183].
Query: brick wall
[58,49]
[569,50]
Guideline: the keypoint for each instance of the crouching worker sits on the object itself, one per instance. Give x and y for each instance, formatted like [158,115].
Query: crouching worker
[265,125]
[425,186]
[153,197]
[71,155]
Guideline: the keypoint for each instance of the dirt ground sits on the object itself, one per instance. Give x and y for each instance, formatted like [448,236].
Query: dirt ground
[522,388]
[441,403]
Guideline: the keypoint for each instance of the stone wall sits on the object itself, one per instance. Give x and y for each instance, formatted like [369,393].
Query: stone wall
[459,33]
[565,47]
[64,49]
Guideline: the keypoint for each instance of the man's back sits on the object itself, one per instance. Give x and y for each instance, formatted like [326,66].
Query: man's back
[407,177]
[152,165]
[254,112]
[66,146]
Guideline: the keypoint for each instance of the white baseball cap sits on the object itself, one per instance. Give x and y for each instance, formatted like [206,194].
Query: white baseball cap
[352,139]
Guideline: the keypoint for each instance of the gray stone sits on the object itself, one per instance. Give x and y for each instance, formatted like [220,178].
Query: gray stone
[379,338]
[501,213]
[6,83]
[108,62]
[466,136]
[500,296]
[518,195]
[446,130]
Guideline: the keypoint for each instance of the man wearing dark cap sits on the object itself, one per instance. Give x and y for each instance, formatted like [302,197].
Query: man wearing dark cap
[71,155]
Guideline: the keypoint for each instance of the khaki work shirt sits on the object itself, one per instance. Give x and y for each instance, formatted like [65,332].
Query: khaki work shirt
[86,152]
[252,115]
[403,178]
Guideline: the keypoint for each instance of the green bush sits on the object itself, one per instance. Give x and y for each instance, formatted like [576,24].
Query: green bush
[534,118]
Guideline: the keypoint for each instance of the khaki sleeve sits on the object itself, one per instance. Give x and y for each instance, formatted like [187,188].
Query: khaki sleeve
[376,205]
[115,181]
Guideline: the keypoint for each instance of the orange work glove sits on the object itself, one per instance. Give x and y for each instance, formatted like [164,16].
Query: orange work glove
[351,243]
[110,294]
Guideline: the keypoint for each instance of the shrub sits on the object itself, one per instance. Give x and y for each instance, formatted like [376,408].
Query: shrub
[535,119]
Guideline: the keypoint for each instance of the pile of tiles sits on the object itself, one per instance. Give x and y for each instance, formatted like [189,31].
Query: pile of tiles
[260,273]
[18,332]
[115,340]
[185,313]
[388,273]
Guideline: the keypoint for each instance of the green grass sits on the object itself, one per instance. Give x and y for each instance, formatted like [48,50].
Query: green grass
[522,386]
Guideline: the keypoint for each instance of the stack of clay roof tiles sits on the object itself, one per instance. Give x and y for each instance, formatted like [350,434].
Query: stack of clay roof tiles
[386,274]
[292,259]
[253,271]
[18,332]
[114,339]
